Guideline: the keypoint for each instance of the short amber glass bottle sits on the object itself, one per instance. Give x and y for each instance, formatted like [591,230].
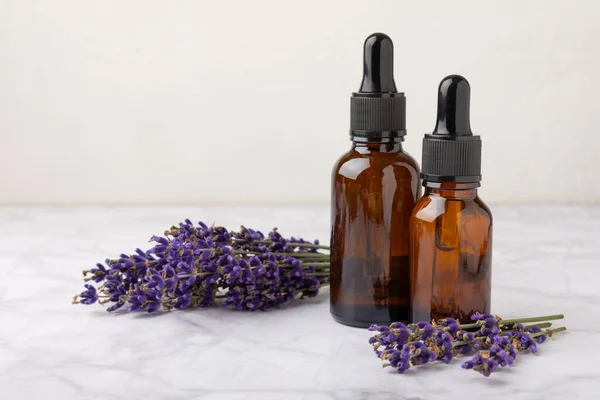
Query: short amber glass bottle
[374,188]
[450,226]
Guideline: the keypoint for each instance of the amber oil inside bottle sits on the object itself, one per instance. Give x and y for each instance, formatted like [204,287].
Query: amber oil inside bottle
[451,242]
[375,186]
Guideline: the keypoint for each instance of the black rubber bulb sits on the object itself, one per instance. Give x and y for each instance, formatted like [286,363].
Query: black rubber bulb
[378,72]
[454,96]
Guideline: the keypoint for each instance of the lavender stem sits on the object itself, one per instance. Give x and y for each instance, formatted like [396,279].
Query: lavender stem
[289,244]
[517,321]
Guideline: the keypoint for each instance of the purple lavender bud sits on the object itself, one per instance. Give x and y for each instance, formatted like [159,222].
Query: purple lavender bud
[114,307]
[98,273]
[453,328]
[394,357]
[484,366]
[428,330]
[476,315]
[88,296]
[254,261]
[476,360]
[404,362]
[152,306]
[489,321]
[160,239]
[449,321]
[380,328]
[444,342]
[488,366]
[535,329]
[398,325]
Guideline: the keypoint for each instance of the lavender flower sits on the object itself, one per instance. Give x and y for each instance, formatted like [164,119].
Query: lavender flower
[389,337]
[444,346]
[442,340]
[465,336]
[398,358]
[192,263]
[421,354]
[483,365]
[522,341]
[88,296]
[502,351]
[487,320]
[98,273]
[425,330]
[534,329]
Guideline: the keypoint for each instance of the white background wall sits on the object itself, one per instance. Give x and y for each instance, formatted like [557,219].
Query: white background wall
[150,101]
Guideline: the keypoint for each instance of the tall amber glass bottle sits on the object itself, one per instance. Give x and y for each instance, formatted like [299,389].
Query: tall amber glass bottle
[374,188]
[450,226]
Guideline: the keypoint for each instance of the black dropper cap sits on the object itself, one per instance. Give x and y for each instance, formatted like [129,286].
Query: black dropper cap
[451,153]
[378,110]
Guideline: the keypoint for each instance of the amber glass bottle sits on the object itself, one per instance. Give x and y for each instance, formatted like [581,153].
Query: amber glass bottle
[450,226]
[374,188]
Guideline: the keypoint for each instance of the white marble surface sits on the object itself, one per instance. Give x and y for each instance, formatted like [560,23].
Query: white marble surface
[545,261]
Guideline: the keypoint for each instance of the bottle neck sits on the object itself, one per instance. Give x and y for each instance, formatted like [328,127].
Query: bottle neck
[452,190]
[379,144]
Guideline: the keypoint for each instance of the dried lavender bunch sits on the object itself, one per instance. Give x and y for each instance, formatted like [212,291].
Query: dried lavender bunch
[495,341]
[194,265]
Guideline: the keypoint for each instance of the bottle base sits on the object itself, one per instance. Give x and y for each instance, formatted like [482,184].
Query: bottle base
[365,316]
[354,324]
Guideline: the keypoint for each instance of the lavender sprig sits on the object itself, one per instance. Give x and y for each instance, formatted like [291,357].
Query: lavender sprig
[193,265]
[496,342]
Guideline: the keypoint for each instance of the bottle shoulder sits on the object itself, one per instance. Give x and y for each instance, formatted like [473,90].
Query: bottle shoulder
[483,207]
[430,207]
[353,162]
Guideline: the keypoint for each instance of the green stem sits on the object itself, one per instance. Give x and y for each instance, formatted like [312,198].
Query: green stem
[295,255]
[318,274]
[307,245]
[463,342]
[531,319]
[198,274]
[517,321]
[539,325]
[549,332]
[469,326]
[291,244]
[222,296]
[316,265]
